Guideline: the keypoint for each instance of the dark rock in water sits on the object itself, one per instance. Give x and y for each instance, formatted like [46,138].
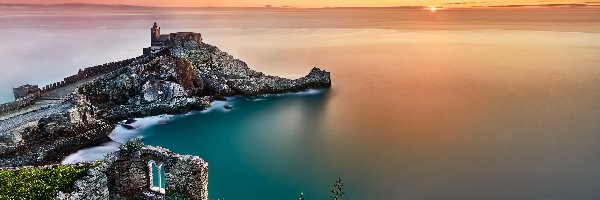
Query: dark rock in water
[219,98]
[228,107]
[127,126]
[130,121]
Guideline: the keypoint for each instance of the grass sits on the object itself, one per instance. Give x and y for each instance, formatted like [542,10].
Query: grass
[39,183]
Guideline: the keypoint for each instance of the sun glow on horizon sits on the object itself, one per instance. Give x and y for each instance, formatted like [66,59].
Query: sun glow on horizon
[432,8]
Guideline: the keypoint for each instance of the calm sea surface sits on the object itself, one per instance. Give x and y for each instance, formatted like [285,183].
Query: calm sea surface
[446,105]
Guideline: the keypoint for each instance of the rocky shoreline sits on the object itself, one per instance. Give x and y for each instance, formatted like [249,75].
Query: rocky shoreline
[184,76]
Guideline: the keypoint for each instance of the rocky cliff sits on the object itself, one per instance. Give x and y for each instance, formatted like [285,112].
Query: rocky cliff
[184,77]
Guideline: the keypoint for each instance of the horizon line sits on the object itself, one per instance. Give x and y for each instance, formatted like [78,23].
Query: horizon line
[516,6]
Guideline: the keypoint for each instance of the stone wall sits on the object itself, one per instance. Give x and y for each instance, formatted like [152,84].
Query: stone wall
[26,101]
[181,37]
[122,176]
[24,90]
[76,165]
[92,186]
[90,72]
[32,97]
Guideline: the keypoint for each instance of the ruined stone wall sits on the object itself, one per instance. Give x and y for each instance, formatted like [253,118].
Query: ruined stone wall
[76,165]
[92,186]
[122,176]
[24,90]
[19,103]
[181,37]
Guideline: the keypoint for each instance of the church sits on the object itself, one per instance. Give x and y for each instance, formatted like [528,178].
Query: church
[160,42]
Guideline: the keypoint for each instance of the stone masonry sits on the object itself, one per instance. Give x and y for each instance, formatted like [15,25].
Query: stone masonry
[122,176]
[24,90]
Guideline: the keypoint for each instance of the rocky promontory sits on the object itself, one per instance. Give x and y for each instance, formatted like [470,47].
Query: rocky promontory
[183,75]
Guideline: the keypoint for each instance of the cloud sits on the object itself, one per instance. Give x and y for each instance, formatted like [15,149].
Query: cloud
[387,7]
[478,4]
[464,3]
[551,5]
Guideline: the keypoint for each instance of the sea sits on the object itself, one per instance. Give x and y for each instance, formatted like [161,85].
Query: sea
[454,104]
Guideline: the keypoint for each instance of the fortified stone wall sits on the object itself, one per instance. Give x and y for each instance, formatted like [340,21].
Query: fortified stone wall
[19,103]
[122,176]
[180,37]
[24,90]
[31,98]
[90,72]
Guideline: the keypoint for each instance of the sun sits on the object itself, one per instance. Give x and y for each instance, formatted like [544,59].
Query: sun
[432,8]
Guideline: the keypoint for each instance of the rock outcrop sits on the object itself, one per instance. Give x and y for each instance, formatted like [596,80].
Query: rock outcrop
[185,76]
[50,138]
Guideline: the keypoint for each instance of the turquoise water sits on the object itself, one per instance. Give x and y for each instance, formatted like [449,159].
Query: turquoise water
[264,148]
[158,179]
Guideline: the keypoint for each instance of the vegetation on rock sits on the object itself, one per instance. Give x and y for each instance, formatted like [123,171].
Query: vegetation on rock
[39,183]
[131,146]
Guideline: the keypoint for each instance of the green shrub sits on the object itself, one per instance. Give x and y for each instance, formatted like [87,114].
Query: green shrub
[131,146]
[39,183]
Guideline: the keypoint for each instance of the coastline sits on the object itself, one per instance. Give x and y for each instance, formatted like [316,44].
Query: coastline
[119,135]
[178,74]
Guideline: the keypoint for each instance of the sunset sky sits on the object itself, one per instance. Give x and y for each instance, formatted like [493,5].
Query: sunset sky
[320,3]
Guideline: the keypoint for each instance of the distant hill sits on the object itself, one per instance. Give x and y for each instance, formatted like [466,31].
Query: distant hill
[121,6]
[73,6]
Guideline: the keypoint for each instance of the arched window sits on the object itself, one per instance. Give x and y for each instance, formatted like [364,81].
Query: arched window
[157,177]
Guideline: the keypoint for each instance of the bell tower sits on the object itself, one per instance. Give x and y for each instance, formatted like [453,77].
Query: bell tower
[154,32]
